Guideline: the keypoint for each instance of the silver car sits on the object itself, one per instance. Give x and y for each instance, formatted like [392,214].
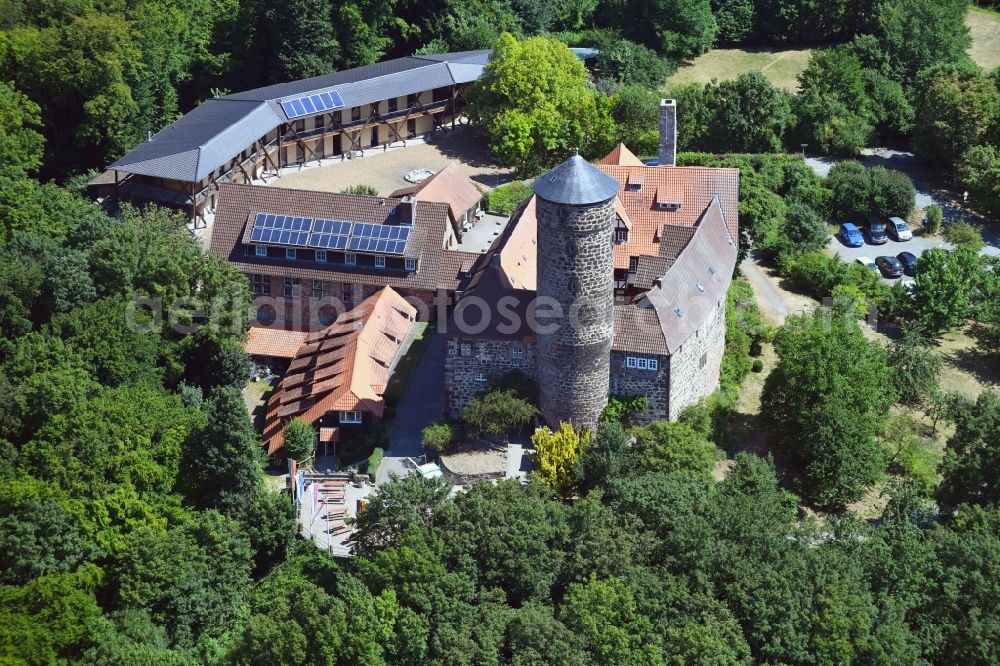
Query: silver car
[898,230]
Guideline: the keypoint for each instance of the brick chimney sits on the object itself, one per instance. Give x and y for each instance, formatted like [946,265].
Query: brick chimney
[668,132]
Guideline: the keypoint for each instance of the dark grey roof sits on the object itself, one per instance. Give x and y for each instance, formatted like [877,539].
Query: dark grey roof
[219,129]
[576,181]
[686,295]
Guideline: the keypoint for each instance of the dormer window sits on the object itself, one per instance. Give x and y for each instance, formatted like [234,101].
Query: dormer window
[621,236]
[411,264]
[667,205]
[634,183]
[260,250]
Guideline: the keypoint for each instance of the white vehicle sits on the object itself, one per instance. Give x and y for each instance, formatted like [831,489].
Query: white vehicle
[867,262]
[898,229]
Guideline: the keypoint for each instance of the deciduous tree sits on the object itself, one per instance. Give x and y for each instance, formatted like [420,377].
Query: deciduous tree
[556,455]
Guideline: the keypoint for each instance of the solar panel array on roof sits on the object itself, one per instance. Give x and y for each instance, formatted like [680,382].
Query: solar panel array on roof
[280,229]
[308,105]
[330,234]
[271,229]
[381,238]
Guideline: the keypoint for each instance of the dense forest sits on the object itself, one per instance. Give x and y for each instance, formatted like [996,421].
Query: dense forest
[136,526]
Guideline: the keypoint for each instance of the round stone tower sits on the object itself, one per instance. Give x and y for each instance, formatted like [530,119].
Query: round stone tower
[575,209]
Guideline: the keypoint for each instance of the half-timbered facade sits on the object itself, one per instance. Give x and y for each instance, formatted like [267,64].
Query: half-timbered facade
[246,136]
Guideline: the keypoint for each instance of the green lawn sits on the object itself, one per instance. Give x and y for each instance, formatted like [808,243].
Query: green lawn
[782,66]
[985,28]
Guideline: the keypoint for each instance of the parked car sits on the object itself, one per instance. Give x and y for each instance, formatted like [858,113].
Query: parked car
[909,262]
[652,162]
[850,235]
[890,267]
[899,230]
[876,231]
[867,262]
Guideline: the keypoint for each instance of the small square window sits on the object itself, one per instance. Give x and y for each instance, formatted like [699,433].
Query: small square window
[320,255]
[631,361]
[379,262]
[516,352]
[411,264]
[480,376]
[350,417]
[621,235]
[290,253]
[350,258]
[465,349]
[260,250]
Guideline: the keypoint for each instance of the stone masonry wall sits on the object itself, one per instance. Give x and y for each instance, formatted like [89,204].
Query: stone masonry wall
[575,269]
[491,358]
[694,368]
[653,384]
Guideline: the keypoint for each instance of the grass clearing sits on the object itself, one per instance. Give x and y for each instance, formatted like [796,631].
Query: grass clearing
[985,28]
[781,66]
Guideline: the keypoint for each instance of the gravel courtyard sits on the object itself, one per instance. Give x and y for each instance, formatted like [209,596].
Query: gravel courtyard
[384,170]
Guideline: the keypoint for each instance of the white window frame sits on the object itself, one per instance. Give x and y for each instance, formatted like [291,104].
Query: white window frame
[480,377]
[465,349]
[641,363]
[411,264]
[291,253]
[260,250]
[516,352]
[320,255]
[351,416]
[350,258]
[291,287]
[379,261]
[621,236]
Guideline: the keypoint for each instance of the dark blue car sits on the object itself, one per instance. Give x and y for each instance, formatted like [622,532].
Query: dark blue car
[909,262]
[850,235]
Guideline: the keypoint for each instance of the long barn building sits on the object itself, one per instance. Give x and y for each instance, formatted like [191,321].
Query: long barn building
[245,136]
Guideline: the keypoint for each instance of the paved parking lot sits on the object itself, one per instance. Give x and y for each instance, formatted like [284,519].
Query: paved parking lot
[916,245]
[927,194]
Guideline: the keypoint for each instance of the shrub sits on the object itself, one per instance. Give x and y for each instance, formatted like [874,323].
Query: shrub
[498,412]
[758,365]
[621,409]
[935,218]
[961,233]
[375,459]
[438,436]
[815,273]
[504,199]
[366,190]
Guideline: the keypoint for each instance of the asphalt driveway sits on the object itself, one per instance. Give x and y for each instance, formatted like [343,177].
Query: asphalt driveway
[422,405]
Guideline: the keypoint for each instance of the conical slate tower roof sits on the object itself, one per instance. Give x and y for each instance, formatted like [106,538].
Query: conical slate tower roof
[577,182]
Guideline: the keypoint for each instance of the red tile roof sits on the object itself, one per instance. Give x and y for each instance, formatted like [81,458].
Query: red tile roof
[343,367]
[449,186]
[267,341]
[620,155]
